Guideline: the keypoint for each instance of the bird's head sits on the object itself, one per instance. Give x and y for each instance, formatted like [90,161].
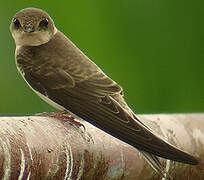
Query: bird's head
[32,27]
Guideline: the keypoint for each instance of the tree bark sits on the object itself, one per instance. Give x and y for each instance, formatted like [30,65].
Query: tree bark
[54,147]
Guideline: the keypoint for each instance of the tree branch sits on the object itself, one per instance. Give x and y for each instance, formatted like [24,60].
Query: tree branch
[44,147]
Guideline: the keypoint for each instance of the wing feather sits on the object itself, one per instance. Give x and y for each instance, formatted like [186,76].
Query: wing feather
[97,105]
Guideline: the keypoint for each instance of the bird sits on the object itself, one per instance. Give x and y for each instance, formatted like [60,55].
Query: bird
[62,75]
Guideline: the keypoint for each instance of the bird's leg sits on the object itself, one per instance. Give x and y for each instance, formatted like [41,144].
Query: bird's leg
[64,115]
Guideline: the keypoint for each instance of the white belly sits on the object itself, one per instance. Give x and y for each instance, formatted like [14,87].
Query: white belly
[48,100]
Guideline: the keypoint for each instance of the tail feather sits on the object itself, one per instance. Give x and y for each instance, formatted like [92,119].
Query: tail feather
[168,151]
[154,162]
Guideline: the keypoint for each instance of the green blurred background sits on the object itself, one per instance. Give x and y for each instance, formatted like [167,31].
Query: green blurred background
[152,48]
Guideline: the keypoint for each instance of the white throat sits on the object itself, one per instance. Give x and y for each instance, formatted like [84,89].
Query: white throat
[32,39]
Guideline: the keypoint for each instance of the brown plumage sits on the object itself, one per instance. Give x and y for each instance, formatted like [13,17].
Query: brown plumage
[58,70]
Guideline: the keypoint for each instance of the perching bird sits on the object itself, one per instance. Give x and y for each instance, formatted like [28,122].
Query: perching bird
[68,80]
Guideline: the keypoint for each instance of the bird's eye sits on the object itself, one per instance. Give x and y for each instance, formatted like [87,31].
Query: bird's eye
[16,23]
[43,23]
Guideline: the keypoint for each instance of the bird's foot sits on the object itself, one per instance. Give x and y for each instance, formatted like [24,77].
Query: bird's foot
[65,116]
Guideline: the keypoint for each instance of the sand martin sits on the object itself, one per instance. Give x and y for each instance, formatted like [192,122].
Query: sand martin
[68,80]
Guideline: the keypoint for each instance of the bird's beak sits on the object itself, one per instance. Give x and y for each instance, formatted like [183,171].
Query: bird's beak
[29,29]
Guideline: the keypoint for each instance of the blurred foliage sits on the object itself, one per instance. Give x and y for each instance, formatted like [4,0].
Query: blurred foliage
[153,49]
